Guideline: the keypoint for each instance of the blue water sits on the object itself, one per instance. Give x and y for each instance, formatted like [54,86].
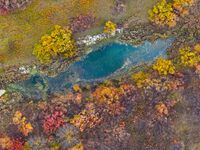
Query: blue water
[98,64]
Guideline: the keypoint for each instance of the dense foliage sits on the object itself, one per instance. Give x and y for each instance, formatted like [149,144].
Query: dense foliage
[164,66]
[24,126]
[140,78]
[106,94]
[57,44]
[53,122]
[110,27]
[189,57]
[182,6]
[162,14]
[166,14]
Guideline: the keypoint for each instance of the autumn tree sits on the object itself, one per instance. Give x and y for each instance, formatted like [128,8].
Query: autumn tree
[189,57]
[106,94]
[23,125]
[59,43]
[164,66]
[140,78]
[110,27]
[162,14]
[166,14]
[182,6]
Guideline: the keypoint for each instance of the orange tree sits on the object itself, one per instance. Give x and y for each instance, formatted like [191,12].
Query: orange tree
[182,6]
[108,95]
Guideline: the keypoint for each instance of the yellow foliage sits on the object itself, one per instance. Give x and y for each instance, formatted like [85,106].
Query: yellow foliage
[5,142]
[58,43]
[164,66]
[182,6]
[156,84]
[26,146]
[162,14]
[86,119]
[77,88]
[140,78]
[188,57]
[110,27]
[77,147]
[24,126]
[197,47]
[106,94]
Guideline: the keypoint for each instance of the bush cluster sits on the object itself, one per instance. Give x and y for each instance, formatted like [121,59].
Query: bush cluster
[162,14]
[166,14]
[58,44]
[164,66]
[110,27]
[189,57]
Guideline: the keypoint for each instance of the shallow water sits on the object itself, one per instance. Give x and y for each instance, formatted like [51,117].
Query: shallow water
[98,64]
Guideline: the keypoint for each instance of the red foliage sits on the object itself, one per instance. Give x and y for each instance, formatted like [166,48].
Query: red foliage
[16,145]
[82,22]
[53,122]
[3,11]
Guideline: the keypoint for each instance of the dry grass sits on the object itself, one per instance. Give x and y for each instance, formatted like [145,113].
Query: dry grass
[21,30]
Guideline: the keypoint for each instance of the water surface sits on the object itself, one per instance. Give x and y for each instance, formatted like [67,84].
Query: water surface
[99,64]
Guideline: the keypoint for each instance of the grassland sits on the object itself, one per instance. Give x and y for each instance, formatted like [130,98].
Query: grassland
[20,30]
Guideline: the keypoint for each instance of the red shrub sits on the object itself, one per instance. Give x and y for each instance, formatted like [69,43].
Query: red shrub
[3,11]
[82,22]
[16,145]
[53,122]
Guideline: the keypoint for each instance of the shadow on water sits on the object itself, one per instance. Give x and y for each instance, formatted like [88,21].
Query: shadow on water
[98,64]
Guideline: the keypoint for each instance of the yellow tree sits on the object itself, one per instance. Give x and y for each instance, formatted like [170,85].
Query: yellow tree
[189,57]
[162,14]
[140,78]
[108,95]
[58,43]
[110,27]
[164,66]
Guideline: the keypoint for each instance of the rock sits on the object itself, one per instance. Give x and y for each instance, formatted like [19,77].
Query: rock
[24,70]
[2,92]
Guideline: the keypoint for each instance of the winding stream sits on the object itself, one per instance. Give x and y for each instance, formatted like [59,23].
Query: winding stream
[99,64]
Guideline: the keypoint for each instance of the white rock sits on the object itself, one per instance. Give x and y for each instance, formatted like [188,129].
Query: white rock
[24,70]
[2,92]
[90,40]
